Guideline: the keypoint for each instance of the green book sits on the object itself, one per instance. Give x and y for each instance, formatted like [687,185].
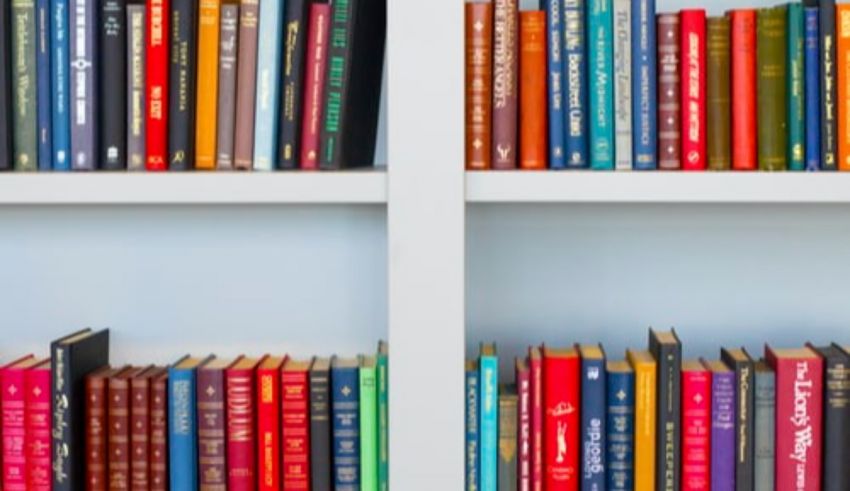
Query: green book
[24,85]
[383,418]
[771,66]
[796,92]
[368,424]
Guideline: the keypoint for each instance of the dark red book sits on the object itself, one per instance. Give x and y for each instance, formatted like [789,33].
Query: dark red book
[159,430]
[96,452]
[561,392]
[523,384]
[268,423]
[743,26]
[12,384]
[38,427]
[140,423]
[535,368]
[118,432]
[696,427]
[799,403]
[694,143]
[295,404]
[156,85]
[669,108]
[314,83]
[210,397]
[241,440]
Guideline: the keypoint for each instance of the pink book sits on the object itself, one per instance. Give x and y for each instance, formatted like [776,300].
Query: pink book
[37,427]
[535,366]
[13,387]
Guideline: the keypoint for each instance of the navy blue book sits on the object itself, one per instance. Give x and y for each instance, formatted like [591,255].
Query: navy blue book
[828,87]
[620,444]
[345,407]
[644,86]
[183,424]
[471,373]
[556,84]
[43,96]
[593,391]
[575,83]
[60,115]
[812,88]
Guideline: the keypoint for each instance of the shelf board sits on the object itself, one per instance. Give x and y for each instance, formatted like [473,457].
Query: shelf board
[194,188]
[656,187]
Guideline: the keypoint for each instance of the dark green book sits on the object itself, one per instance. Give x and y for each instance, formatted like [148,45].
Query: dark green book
[383,418]
[23,85]
[796,88]
[719,99]
[508,401]
[6,145]
[772,106]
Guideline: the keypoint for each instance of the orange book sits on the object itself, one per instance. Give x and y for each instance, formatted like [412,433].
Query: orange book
[532,90]
[479,84]
[744,124]
[843,50]
[207,89]
[645,378]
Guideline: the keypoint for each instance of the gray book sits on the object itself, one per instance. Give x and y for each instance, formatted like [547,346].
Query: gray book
[83,61]
[765,426]
[136,87]
[228,40]
[508,402]
[623,84]
[23,85]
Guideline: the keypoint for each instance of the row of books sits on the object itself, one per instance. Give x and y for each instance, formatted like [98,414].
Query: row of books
[611,85]
[576,419]
[73,422]
[185,84]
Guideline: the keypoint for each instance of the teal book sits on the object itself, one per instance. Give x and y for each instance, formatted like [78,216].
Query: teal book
[383,418]
[488,366]
[183,423]
[368,423]
[600,48]
[24,84]
[796,88]
[269,49]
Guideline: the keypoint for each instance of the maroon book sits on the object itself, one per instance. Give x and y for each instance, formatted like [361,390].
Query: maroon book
[159,430]
[669,108]
[96,429]
[505,84]
[314,83]
[535,366]
[118,433]
[241,424]
[140,413]
[211,424]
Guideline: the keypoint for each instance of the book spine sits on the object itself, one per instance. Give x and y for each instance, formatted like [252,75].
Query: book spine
[723,431]
[206,109]
[532,94]
[600,22]
[182,429]
[210,399]
[292,100]
[228,48]
[693,91]
[13,409]
[523,380]
[118,434]
[575,86]
[156,85]
[771,24]
[269,50]
[798,424]
[718,94]
[796,89]
[43,100]
[113,85]
[6,70]
[556,70]
[620,422]
[296,430]
[314,85]
[743,42]
[765,431]
[241,460]
[140,426]
[644,85]
[836,423]
[488,423]
[159,431]
[696,430]
[383,423]
[63,429]
[184,64]
[346,429]
[669,109]
[744,434]
[812,89]
[668,409]
[507,442]
[24,51]
[320,431]
[246,84]
[37,428]
[369,430]
[645,427]
[84,62]
[96,430]
[593,390]
[843,77]
[269,410]
[561,426]
[136,87]
[828,87]
[505,84]
[623,84]
[60,85]
[535,366]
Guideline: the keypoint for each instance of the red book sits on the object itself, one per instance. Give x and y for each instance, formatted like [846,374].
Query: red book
[743,26]
[561,392]
[140,422]
[799,393]
[156,85]
[535,368]
[523,383]
[118,434]
[268,423]
[95,415]
[314,83]
[13,385]
[241,443]
[295,400]
[38,427]
[693,93]
[159,430]
[696,427]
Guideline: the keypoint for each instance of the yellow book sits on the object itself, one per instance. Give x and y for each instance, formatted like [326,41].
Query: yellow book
[645,374]
[207,90]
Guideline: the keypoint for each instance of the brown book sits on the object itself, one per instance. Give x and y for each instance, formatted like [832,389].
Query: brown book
[96,429]
[211,425]
[505,85]
[772,88]
[159,430]
[228,43]
[140,413]
[246,81]
[532,95]
[118,434]
[479,84]
[719,98]
[669,127]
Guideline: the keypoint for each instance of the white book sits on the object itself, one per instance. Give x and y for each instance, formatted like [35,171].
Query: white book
[623,84]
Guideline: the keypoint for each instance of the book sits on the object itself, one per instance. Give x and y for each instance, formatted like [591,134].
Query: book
[505,84]
[667,350]
[561,404]
[345,399]
[140,427]
[843,77]
[771,60]
[96,428]
[718,94]
[269,47]
[13,408]
[645,374]
[368,424]
[112,84]
[37,426]
[535,367]
[488,417]
[623,84]
[600,41]
[136,108]
[118,424]
[226,105]
[240,382]
[669,99]
[739,361]
[273,413]
[722,426]
[23,47]
[508,413]
[314,81]
[575,84]
[6,70]
[43,82]
[693,93]
[159,431]
[210,395]
[556,71]
[532,93]
[836,417]
[828,86]
[743,55]
[84,62]
[206,107]
[795,84]
[479,85]
[644,85]
[156,85]
[73,357]
[764,427]
[696,426]
[60,84]
[190,24]
[183,422]
[320,425]
[593,408]
[471,378]
[812,88]
[523,383]
[295,395]
[246,84]
[383,417]
[292,100]
[620,425]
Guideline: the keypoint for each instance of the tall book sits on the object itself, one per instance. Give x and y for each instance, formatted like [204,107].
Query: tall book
[156,85]
[226,106]
[314,83]
[623,84]
[508,410]
[471,379]
[210,398]
[696,426]
[532,94]
[600,48]
[644,85]
[739,361]
[667,350]
[37,426]
[14,411]
[85,63]
[345,399]
[190,25]
[136,85]
[488,417]
[183,423]
[771,60]
[292,100]
[246,84]
[96,428]
[43,84]
[295,399]
[555,31]
[269,48]
[140,427]
[693,93]
[718,94]
[561,400]
[764,427]
[535,367]
[383,417]
[843,77]
[575,103]
[25,120]
[722,426]
[60,85]
[320,425]
[620,425]
[112,81]
[795,82]
[669,85]
[812,88]
[369,424]
[645,376]
[836,417]
[159,432]
[206,107]
[6,129]
[828,86]
[523,383]
[240,383]
[593,408]
[743,54]
[118,424]
[278,398]
[505,83]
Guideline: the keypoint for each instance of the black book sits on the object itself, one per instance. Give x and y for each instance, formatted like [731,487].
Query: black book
[6,158]
[320,425]
[181,84]
[828,87]
[744,367]
[72,358]
[836,418]
[667,350]
[113,84]
[353,84]
[289,124]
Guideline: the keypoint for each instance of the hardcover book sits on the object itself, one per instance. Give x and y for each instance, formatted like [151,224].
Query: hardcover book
[183,423]
[471,428]
[765,427]
[112,82]
[345,400]
[600,22]
[206,108]
[136,85]
[43,81]
[320,425]
[523,382]
[561,404]
[555,10]
[156,85]
[246,84]
[828,87]
[270,414]
[669,83]
[532,94]
[739,361]
[37,426]
[210,398]
[96,428]
[292,99]
[239,380]
[843,77]
[795,80]
[508,402]
[479,101]
[718,94]
[118,424]
[620,423]
[645,370]
[269,47]
[189,29]
[369,425]
[60,85]
[593,406]
[743,54]
[25,120]
[488,418]
[13,408]
[623,84]
[722,426]
[836,418]
[159,431]
[575,85]
[696,426]
[505,84]
[227,50]
[667,350]
[693,91]
[85,64]
[535,367]
[383,417]
[295,395]
[772,104]
[644,85]
[812,88]
[140,428]
[6,70]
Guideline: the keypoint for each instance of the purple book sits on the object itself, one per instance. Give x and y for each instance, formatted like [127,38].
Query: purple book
[722,426]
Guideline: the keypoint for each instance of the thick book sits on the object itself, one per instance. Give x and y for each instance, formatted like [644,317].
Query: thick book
[535,366]
[37,426]
[623,84]
[206,95]
[667,350]
[345,407]
[772,105]
[843,77]
[269,48]
[157,67]
[210,397]
[183,423]
[669,84]
[295,396]
[561,402]
[479,85]
[246,78]
[140,427]
[593,407]
[600,62]
[118,424]
[739,361]
[523,384]
[693,93]
[13,409]
[292,100]
[60,85]
[85,63]
[764,427]
[136,112]
[743,55]
[320,425]
[696,426]
[471,426]
[188,30]
[795,83]
[554,86]
[620,425]
[6,70]
[96,428]
[383,417]
[43,83]
[478,101]
[25,120]
[722,426]
[72,358]
[828,86]
[240,384]
[836,418]
[508,402]
[488,417]
[812,88]
[646,375]
[533,153]
[505,83]
[369,424]
[576,109]
[269,413]
[226,107]
[158,461]
[644,86]
[718,98]
[112,82]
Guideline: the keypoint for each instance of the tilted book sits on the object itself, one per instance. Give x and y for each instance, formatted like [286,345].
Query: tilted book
[320,425]
[645,373]
[269,48]
[210,398]
[561,402]
[812,88]
[764,428]
[505,84]
[620,425]
[718,94]
[85,63]
[744,133]
[369,424]
[600,62]
[246,84]
[206,96]
[693,91]
[226,107]
[696,426]
[722,426]
[112,83]
[667,350]
[188,30]
[270,410]
[183,423]
[6,128]
[345,397]
[836,418]
[43,86]
[488,417]
[295,395]
[771,61]
[644,85]
[292,100]
[593,428]
[575,85]
[156,84]
[136,108]
[555,10]
[508,402]
[623,84]
[796,87]
[240,384]
[669,99]
[828,87]
[25,120]
[60,85]
[739,361]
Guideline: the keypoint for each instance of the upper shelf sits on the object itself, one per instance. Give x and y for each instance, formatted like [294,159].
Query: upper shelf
[656,187]
[172,188]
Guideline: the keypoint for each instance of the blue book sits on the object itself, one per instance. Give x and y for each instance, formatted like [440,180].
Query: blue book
[620,424]
[61,118]
[43,96]
[345,410]
[593,391]
[556,84]
[471,426]
[600,48]
[488,420]
[812,88]
[575,102]
[269,49]
[644,86]
[183,424]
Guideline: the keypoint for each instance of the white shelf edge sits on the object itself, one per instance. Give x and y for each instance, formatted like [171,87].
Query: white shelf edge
[194,188]
[656,187]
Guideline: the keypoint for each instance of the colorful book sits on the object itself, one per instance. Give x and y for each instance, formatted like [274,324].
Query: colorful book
[667,350]
[772,60]
[226,105]
[24,50]
[282,402]
[696,426]
[575,84]
[593,390]
[828,87]
[669,98]
[561,400]
[744,132]
[292,98]
[471,429]
[210,395]
[535,367]
[13,408]
[345,395]
[739,361]
[321,471]
[246,84]
[693,93]
[190,25]
[84,63]
[555,10]
[183,423]
[644,85]
[718,94]
[523,383]
[722,426]
[620,425]
[368,424]
[383,417]
[43,82]
[795,83]
[37,426]
[112,83]
[532,94]
[269,48]
[843,77]
[600,48]
[60,85]
[836,418]
[812,89]
[508,413]
[488,418]
[645,373]
[206,109]
[505,84]
[240,382]
[156,86]
[623,84]
[764,428]
[479,101]
[136,108]
[96,429]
